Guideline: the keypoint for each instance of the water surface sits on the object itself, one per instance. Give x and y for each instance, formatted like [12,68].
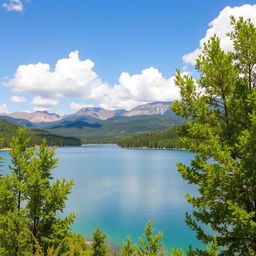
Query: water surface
[119,190]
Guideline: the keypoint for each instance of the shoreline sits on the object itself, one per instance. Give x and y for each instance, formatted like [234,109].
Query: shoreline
[5,149]
[146,148]
[90,144]
[184,149]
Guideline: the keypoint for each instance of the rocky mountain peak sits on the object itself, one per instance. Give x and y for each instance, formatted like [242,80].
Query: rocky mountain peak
[35,117]
[98,112]
[155,108]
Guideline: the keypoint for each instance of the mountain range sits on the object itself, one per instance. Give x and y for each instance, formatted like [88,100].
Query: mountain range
[94,124]
[95,112]
[34,117]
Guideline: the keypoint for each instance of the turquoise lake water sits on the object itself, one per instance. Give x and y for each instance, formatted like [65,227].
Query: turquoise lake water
[119,190]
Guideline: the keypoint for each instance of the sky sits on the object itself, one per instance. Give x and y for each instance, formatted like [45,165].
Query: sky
[63,55]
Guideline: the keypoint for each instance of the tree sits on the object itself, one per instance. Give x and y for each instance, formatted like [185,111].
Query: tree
[99,246]
[220,108]
[30,199]
[129,249]
[150,245]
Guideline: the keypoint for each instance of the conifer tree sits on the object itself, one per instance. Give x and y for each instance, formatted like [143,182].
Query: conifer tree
[150,245]
[31,200]
[129,249]
[99,246]
[177,252]
[220,108]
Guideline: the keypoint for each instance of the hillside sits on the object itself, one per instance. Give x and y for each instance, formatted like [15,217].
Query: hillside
[8,130]
[89,129]
[96,124]
[158,139]
[17,121]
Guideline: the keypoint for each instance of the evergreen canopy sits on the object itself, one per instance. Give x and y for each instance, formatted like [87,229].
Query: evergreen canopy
[220,108]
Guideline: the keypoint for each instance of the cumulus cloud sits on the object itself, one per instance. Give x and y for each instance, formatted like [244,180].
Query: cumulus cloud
[14,5]
[132,90]
[220,26]
[18,99]
[44,102]
[73,77]
[75,105]
[70,78]
[3,108]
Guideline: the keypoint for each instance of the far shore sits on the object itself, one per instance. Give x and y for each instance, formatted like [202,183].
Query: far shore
[154,148]
[5,149]
[164,148]
[148,148]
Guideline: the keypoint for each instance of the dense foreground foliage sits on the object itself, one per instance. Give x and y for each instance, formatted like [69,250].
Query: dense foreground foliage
[157,139]
[8,130]
[221,110]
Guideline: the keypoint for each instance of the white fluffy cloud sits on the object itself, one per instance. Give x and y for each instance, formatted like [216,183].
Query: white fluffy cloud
[14,5]
[44,102]
[70,78]
[73,77]
[148,86]
[220,26]
[3,108]
[18,99]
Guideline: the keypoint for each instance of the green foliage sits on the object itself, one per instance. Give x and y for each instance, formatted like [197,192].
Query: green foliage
[99,247]
[177,252]
[72,245]
[75,245]
[221,129]
[212,250]
[129,249]
[9,130]
[30,200]
[150,245]
[157,139]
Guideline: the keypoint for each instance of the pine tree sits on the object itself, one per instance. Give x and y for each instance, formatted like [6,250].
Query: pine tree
[31,200]
[177,252]
[150,245]
[99,246]
[129,249]
[220,108]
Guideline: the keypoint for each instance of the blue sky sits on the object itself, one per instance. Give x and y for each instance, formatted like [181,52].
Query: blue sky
[118,37]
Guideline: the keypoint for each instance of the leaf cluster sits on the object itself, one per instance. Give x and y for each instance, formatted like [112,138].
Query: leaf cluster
[220,108]
[30,199]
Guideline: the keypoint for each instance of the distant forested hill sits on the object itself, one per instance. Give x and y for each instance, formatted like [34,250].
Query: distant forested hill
[157,139]
[8,130]
[91,129]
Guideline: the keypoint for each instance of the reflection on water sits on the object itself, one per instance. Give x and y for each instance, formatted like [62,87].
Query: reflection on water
[119,190]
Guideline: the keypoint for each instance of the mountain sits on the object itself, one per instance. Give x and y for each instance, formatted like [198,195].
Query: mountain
[34,117]
[97,125]
[9,130]
[17,121]
[99,113]
[90,129]
[155,108]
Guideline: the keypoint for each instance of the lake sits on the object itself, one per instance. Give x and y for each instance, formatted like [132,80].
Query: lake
[119,190]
